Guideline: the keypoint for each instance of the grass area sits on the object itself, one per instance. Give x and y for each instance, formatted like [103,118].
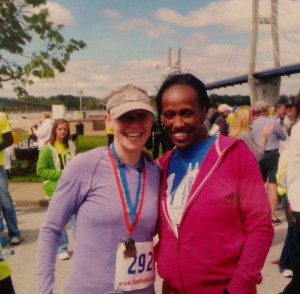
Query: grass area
[85,143]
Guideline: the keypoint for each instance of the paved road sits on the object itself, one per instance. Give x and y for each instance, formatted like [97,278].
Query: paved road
[23,263]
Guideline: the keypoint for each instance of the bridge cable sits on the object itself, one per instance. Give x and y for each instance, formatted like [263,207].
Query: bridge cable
[288,35]
[228,62]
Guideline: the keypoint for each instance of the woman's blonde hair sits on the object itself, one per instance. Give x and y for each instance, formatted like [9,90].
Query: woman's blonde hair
[241,121]
[46,114]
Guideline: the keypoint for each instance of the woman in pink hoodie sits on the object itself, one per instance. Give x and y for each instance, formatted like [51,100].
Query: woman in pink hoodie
[215,226]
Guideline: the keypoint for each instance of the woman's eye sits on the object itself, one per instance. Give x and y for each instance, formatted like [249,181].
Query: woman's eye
[186,113]
[168,115]
[141,116]
[125,117]
[131,118]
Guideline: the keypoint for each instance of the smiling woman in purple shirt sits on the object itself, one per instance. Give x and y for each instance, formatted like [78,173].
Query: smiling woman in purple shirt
[113,191]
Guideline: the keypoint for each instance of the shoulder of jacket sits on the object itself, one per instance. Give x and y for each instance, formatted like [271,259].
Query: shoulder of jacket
[161,160]
[225,141]
[46,148]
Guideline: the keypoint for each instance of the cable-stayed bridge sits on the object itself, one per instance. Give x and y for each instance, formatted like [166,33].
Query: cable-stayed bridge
[263,84]
[266,74]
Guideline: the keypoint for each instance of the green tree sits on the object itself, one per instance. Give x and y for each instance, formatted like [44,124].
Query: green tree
[21,23]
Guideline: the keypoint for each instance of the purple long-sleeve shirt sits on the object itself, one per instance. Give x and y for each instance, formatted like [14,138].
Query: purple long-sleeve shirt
[88,189]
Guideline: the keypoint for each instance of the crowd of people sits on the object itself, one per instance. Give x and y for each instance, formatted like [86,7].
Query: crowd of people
[211,196]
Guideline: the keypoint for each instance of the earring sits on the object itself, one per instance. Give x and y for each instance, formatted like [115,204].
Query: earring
[204,128]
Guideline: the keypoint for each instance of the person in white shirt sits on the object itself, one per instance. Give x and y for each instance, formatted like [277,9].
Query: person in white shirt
[293,188]
[43,129]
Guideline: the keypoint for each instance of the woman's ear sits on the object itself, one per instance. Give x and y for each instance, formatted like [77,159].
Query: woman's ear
[204,112]
[161,119]
[153,119]
[108,119]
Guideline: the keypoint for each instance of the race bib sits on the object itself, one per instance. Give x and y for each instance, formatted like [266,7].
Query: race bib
[137,272]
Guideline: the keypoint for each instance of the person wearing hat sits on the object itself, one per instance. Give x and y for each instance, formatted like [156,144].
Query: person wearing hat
[221,123]
[290,111]
[279,111]
[113,191]
[269,163]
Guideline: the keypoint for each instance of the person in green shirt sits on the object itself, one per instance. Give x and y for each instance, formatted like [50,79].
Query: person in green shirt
[53,158]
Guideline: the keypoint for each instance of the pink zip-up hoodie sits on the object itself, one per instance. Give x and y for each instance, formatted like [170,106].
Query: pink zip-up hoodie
[226,229]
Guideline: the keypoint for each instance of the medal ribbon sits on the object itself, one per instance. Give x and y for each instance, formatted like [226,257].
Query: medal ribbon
[131,213]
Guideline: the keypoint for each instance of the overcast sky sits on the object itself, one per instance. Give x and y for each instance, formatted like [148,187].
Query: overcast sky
[128,40]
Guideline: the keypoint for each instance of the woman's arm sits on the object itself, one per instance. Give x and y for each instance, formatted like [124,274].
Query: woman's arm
[45,167]
[62,206]
[258,150]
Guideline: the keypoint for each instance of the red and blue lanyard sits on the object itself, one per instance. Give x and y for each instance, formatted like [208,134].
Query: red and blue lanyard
[131,212]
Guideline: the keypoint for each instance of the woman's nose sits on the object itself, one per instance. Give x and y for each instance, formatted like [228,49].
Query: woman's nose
[178,121]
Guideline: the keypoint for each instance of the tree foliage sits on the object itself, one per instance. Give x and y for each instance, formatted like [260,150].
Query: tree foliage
[69,101]
[23,22]
[230,100]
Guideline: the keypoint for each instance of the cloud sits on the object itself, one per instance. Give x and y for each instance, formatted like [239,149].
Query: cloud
[209,65]
[95,78]
[158,31]
[194,41]
[60,14]
[230,15]
[110,13]
[211,15]
[151,30]
[88,75]
[131,24]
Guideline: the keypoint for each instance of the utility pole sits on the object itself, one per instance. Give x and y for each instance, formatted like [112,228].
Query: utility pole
[173,67]
[177,63]
[80,92]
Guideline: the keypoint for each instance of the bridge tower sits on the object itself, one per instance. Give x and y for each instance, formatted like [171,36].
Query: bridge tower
[268,88]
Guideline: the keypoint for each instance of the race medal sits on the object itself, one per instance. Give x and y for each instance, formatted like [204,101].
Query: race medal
[130,249]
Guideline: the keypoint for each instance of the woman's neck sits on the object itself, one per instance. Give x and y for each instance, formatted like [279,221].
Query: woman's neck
[128,156]
[59,140]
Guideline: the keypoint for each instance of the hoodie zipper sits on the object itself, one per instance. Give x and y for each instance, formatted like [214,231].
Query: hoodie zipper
[177,240]
[178,260]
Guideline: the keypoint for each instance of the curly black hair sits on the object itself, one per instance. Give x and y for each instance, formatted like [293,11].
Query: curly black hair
[183,79]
